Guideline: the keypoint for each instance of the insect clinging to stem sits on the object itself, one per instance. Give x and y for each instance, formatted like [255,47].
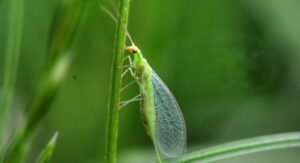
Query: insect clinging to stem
[160,111]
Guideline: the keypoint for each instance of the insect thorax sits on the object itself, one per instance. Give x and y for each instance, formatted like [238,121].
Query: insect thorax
[140,67]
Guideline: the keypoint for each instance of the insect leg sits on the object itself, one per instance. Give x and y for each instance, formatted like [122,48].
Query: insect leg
[126,86]
[124,73]
[127,66]
[124,103]
[130,62]
[128,69]
[129,59]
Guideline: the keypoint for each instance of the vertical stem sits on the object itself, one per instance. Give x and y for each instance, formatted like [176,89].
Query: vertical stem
[114,98]
[11,61]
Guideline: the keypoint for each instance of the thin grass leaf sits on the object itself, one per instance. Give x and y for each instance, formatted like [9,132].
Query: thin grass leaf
[37,109]
[51,79]
[46,154]
[242,147]
[11,61]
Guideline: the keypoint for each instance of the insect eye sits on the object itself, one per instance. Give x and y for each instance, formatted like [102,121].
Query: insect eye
[132,49]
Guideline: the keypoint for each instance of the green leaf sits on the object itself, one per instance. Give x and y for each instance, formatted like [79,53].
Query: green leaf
[55,70]
[242,147]
[12,53]
[46,153]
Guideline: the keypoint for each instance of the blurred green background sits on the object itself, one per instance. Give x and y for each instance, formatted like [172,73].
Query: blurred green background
[232,65]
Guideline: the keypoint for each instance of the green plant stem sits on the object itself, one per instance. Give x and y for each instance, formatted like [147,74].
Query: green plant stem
[55,71]
[114,98]
[11,62]
[243,147]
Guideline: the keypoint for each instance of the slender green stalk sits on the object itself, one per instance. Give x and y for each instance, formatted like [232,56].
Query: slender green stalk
[11,61]
[114,98]
[243,147]
[56,69]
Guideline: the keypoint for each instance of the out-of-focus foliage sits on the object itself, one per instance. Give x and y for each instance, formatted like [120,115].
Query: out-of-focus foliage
[232,65]
[46,154]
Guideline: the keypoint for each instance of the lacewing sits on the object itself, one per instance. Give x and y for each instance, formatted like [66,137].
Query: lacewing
[160,111]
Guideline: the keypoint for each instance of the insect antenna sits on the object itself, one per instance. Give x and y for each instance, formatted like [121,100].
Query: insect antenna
[114,5]
[114,18]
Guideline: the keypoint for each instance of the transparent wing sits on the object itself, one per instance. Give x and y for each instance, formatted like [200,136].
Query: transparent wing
[169,133]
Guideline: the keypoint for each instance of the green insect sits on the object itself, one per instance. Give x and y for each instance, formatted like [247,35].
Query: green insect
[160,112]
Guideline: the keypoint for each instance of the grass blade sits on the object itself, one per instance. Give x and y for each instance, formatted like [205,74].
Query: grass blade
[46,154]
[11,61]
[52,77]
[37,108]
[243,147]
